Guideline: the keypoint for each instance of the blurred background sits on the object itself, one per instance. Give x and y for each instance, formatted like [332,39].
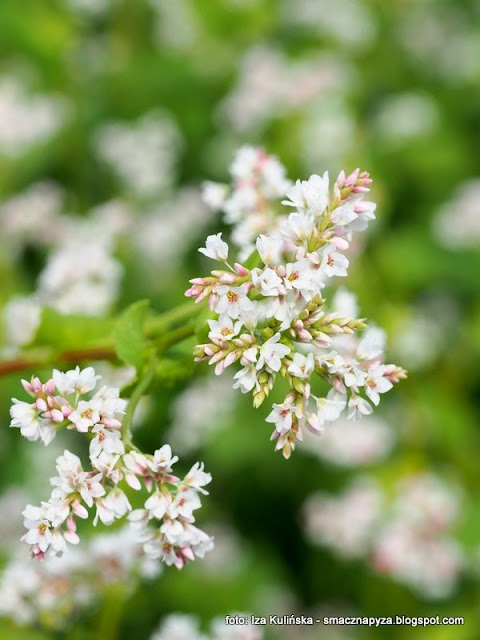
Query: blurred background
[112,114]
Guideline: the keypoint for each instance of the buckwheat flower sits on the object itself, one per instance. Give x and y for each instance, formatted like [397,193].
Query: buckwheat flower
[185,503]
[216,248]
[158,504]
[163,460]
[282,416]
[372,345]
[214,194]
[300,276]
[358,407]
[309,195]
[25,417]
[271,353]
[75,380]
[105,440]
[36,521]
[246,379]
[268,282]
[85,416]
[223,329]
[302,366]
[334,263]
[197,478]
[328,410]
[114,506]
[376,383]
[269,248]
[298,227]
[233,301]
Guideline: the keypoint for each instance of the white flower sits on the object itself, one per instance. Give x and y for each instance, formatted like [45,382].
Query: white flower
[106,440]
[233,301]
[309,195]
[214,194]
[224,328]
[271,353]
[86,415]
[376,383]
[163,460]
[75,380]
[333,262]
[301,276]
[185,503]
[371,345]
[298,226]
[216,248]
[330,408]
[282,416]
[269,248]
[25,416]
[157,504]
[38,525]
[344,214]
[267,282]
[113,507]
[197,478]
[302,366]
[358,407]
[246,379]
[22,315]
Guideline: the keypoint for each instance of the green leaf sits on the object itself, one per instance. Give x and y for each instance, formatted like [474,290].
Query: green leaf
[128,334]
[69,331]
[252,261]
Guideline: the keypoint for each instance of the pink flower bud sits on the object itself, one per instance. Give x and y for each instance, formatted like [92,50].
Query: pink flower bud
[133,481]
[27,386]
[79,510]
[340,243]
[50,387]
[41,404]
[57,416]
[240,269]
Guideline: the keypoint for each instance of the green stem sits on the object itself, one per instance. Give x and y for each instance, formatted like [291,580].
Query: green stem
[174,337]
[155,326]
[135,397]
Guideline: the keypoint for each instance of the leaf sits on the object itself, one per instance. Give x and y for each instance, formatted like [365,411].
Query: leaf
[252,261]
[69,331]
[128,334]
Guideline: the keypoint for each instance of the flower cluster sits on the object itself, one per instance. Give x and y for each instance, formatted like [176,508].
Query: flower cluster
[50,593]
[172,502]
[62,402]
[407,538]
[251,204]
[273,318]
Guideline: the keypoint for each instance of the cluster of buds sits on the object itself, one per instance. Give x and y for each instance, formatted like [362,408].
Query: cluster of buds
[62,402]
[273,319]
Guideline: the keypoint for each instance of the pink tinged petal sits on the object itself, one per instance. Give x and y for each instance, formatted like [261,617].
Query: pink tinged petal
[80,511]
[187,553]
[57,416]
[71,537]
[41,404]
[27,386]
[148,483]
[133,481]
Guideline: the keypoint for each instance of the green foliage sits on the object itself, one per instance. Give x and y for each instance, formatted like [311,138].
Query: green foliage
[128,334]
[64,332]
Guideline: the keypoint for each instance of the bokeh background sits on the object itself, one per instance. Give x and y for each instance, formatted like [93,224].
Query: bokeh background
[112,114]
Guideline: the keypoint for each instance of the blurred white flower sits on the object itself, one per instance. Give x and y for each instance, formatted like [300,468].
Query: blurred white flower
[142,153]
[457,224]
[27,120]
[402,117]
